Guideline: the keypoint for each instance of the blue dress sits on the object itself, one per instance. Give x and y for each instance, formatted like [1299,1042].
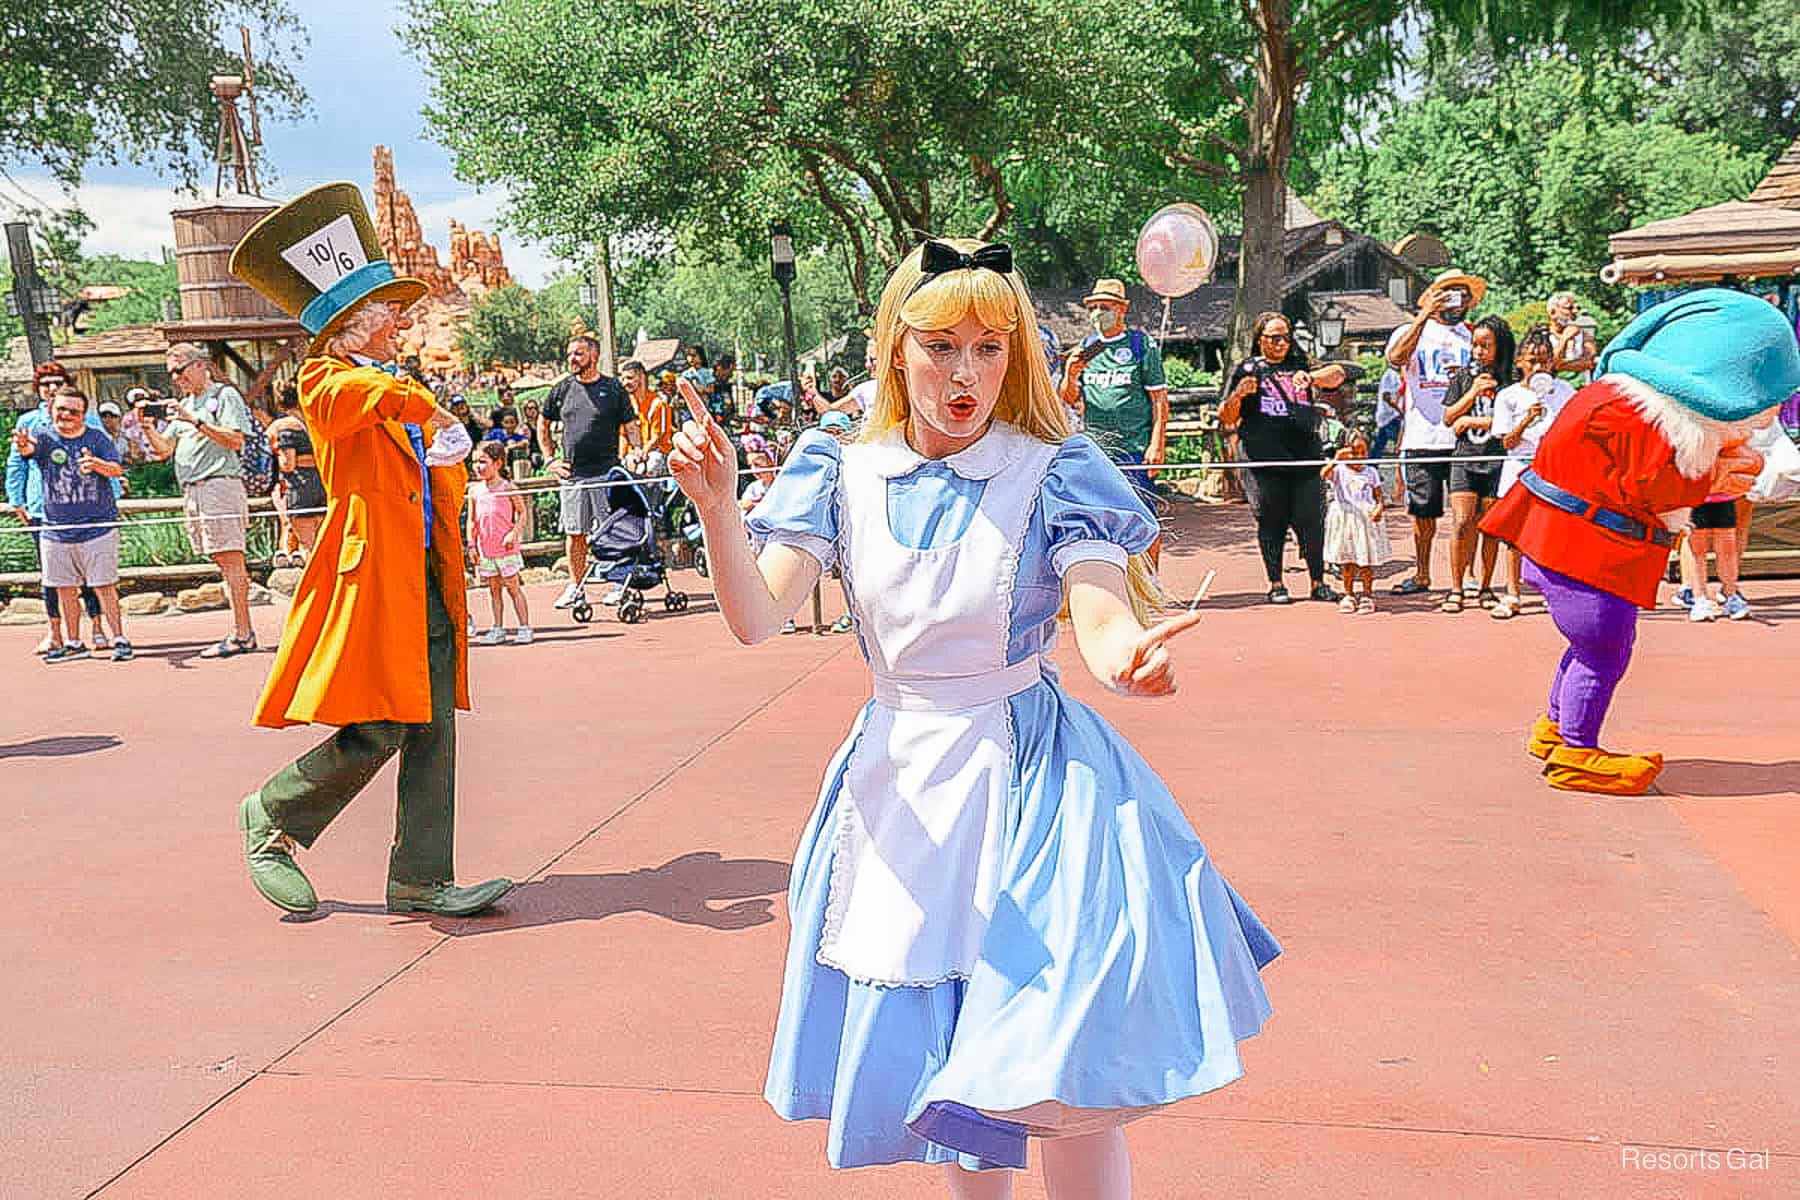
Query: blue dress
[1117,969]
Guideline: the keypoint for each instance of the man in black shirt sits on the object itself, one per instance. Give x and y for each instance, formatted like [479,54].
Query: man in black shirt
[594,410]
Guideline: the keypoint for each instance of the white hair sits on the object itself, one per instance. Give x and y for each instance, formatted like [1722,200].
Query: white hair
[357,329]
[189,353]
[1561,298]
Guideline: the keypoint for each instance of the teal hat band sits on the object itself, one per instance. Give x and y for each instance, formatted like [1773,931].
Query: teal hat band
[323,307]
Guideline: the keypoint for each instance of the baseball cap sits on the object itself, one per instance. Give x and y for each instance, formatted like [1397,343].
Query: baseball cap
[109,409]
[835,422]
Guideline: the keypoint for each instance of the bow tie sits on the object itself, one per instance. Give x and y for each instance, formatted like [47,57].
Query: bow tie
[939,257]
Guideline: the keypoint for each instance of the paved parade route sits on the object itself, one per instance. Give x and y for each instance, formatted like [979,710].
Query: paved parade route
[1489,989]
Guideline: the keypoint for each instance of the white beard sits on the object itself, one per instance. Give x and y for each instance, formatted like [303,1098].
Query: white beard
[1695,438]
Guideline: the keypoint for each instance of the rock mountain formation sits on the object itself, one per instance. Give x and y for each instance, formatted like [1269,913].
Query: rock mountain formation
[475,267]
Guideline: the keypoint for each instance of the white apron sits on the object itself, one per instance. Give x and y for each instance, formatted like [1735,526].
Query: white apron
[921,816]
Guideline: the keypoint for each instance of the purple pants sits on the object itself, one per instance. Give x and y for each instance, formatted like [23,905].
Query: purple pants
[1601,628]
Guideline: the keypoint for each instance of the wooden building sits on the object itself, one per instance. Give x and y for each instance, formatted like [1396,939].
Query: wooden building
[1327,262]
[251,341]
[1754,244]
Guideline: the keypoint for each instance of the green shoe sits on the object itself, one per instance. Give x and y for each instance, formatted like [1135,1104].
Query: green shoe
[445,899]
[268,853]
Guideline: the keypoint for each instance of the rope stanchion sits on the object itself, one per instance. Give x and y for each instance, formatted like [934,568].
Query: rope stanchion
[595,484]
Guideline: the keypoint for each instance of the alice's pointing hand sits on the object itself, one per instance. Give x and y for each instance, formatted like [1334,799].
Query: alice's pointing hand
[1150,670]
[703,461]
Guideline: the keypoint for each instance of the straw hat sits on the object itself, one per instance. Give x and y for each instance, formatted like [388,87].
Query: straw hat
[1476,285]
[317,258]
[1107,291]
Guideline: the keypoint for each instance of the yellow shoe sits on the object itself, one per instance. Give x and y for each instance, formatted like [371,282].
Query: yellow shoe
[1544,738]
[1581,769]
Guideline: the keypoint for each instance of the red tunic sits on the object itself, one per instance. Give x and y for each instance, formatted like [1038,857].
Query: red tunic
[1602,449]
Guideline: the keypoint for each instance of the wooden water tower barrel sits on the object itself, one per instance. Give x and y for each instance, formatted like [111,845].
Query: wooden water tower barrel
[205,235]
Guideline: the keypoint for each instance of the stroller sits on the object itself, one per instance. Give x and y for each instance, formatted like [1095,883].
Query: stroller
[625,550]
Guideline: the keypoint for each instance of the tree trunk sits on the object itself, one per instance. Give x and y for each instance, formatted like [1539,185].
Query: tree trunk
[603,308]
[1262,262]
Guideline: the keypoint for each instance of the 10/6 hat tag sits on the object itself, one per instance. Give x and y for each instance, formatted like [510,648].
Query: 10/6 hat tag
[328,254]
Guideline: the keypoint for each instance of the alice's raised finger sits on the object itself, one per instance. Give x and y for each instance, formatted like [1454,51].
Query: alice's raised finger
[1157,634]
[695,405]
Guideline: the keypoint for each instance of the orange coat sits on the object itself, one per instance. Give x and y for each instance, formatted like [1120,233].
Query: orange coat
[353,648]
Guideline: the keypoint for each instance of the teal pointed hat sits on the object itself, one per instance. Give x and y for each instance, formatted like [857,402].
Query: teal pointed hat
[1725,355]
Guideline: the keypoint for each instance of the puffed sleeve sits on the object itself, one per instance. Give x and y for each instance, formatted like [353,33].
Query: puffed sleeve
[800,509]
[1090,509]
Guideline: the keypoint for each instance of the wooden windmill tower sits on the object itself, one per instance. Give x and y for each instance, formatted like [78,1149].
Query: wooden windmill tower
[249,337]
[235,146]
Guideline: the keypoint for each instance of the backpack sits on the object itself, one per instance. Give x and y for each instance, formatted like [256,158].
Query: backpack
[258,462]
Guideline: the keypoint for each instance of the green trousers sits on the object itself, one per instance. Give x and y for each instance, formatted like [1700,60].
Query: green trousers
[303,797]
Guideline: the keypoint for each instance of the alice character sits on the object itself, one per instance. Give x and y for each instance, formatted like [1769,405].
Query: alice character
[1003,925]
[1354,536]
[1612,487]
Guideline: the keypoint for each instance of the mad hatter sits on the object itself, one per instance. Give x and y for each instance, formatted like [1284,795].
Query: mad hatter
[375,641]
[1612,488]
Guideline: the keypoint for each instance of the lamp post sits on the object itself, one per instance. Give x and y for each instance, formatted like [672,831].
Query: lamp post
[1303,337]
[781,266]
[32,300]
[1330,334]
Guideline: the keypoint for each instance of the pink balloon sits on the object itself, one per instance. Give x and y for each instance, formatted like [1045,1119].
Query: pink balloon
[1177,249]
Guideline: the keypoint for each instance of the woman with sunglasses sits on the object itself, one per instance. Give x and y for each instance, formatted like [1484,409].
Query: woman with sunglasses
[1270,397]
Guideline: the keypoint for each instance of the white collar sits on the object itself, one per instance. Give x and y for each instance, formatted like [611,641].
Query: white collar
[891,457]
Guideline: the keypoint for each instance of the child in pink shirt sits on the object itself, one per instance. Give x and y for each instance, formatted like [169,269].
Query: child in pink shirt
[496,508]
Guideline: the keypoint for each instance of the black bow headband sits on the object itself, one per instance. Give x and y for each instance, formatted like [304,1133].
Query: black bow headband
[940,257]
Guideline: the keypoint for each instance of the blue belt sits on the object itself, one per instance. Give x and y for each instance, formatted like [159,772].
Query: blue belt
[1605,518]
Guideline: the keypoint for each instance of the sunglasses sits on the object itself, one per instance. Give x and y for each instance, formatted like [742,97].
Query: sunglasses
[1277,337]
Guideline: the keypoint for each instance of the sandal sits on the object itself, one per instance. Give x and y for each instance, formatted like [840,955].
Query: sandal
[1486,598]
[1506,608]
[1410,587]
[1453,603]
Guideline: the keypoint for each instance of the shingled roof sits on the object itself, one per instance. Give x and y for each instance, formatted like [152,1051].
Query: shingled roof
[1781,186]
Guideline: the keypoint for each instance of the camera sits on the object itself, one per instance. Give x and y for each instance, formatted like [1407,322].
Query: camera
[1454,297]
[154,410]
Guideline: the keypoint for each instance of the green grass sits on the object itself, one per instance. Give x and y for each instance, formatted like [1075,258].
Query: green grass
[141,543]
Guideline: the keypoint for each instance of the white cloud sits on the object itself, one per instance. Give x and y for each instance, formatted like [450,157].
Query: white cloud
[132,220]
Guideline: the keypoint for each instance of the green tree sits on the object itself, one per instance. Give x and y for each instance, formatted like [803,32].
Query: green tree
[867,123]
[1265,77]
[150,282]
[129,80]
[725,300]
[1525,172]
[510,325]
[1736,75]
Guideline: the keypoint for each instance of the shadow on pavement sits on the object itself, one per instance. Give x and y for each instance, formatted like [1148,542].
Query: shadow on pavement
[683,890]
[60,747]
[1700,777]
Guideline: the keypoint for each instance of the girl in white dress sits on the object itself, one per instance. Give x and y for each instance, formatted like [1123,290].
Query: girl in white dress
[1003,927]
[1354,536]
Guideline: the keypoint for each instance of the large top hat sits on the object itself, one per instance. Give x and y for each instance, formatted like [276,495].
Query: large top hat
[317,258]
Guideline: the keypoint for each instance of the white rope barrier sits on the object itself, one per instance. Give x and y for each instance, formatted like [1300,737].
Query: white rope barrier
[596,484]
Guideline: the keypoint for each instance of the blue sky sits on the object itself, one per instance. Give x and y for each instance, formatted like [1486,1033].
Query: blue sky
[365,90]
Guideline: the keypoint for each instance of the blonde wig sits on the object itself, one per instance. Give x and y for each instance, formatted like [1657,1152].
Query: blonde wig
[1028,399]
